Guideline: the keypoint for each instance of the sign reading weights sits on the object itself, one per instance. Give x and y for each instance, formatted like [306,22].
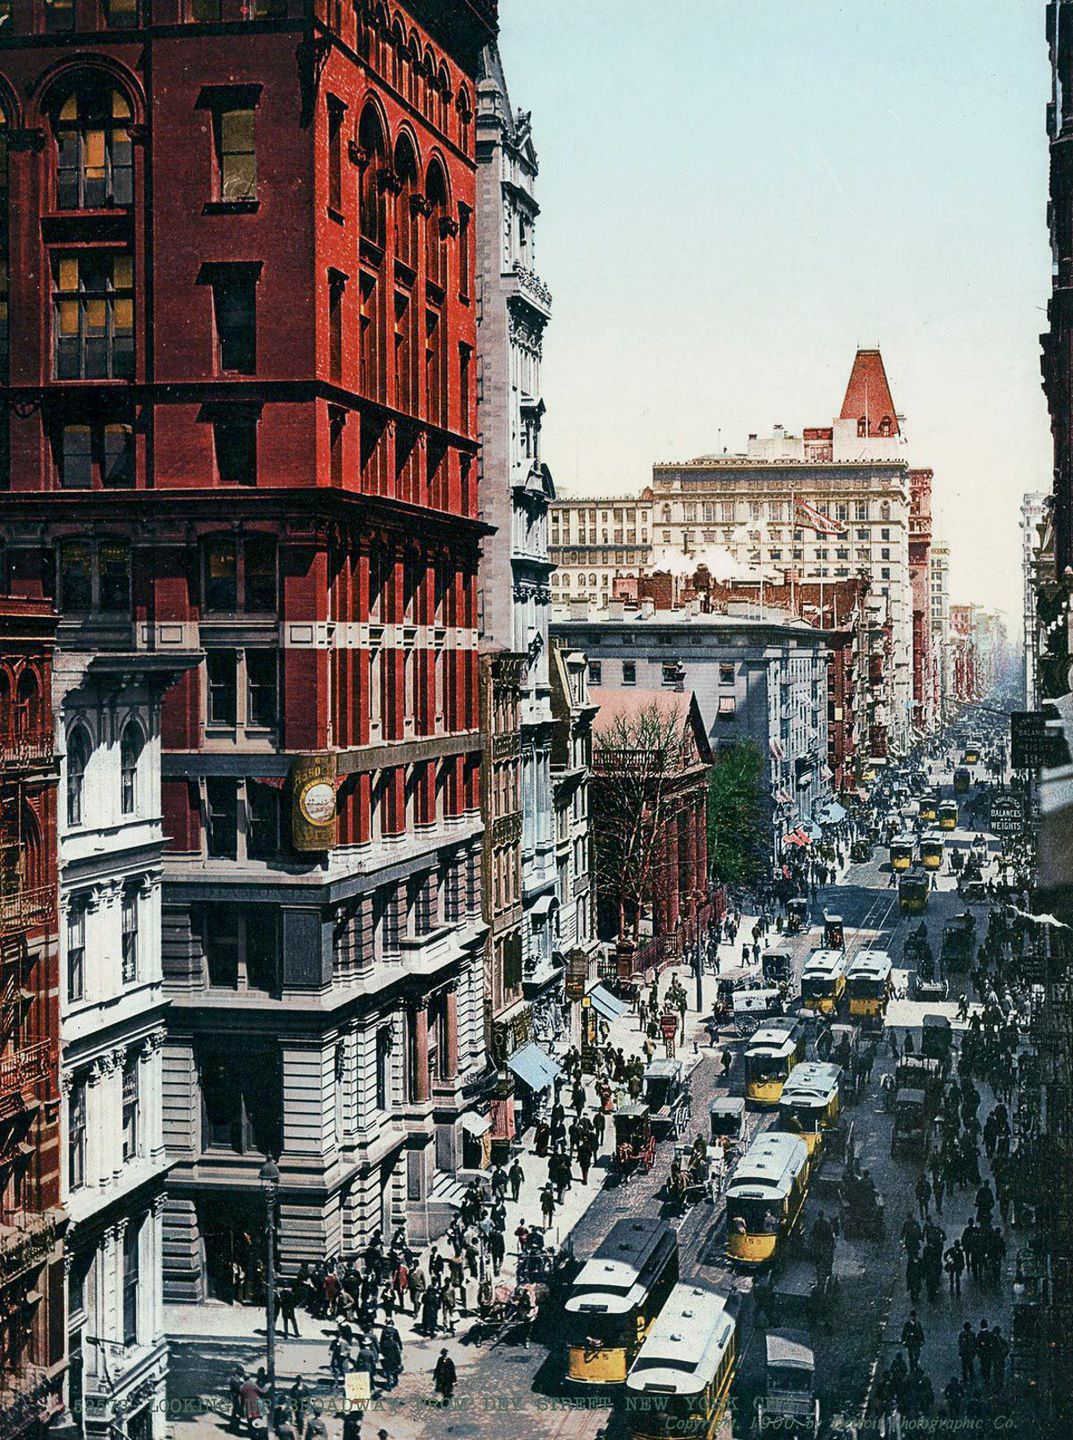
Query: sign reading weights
[313,783]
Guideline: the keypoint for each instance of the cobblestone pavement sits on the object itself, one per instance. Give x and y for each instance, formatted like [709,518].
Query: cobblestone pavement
[505,1389]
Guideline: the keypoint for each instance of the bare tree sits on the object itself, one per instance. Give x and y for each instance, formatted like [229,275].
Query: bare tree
[638,762]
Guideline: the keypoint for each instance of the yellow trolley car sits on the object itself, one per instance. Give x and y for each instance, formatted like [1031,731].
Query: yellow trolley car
[868,986]
[616,1297]
[948,815]
[932,847]
[913,889]
[929,808]
[765,1197]
[810,1104]
[679,1385]
[901,852]
[771,1054]
[823,980]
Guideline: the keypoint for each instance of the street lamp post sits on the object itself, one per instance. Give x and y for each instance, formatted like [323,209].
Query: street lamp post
[269,1177]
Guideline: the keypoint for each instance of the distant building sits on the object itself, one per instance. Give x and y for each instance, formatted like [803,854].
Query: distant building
[571,758]
[1033,521]
[755,676]
[923,716]
[942,655]
[827,505]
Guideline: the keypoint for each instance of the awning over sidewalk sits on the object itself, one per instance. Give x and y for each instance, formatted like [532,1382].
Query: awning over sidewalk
[534,1066]
[606,1004]
[476,1124]
[833,814]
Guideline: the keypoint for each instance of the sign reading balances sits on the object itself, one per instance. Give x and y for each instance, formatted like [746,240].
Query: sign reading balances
[1030,741]
[313,802]
[1007,815]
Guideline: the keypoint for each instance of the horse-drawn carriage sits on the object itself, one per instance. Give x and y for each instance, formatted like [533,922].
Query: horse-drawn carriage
[503,1308]
[635,1145]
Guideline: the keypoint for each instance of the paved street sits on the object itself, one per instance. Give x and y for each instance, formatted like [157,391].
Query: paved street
[859,1333]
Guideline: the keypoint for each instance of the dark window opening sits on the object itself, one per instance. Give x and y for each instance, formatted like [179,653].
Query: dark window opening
[262,827]
[236,155]
[235,441]
[221,669]
[222,818]
[234,298]
[261,686]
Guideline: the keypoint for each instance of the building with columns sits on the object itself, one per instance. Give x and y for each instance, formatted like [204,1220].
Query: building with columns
[516,490]
[942,659]
[243,427]
[111,844]
[32,1221]
[923,716]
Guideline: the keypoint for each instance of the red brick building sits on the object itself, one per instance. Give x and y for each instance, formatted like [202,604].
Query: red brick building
[920,584]
[243,423]
[32,1322]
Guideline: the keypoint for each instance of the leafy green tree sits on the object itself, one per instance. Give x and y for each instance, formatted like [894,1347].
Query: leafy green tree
[737,839]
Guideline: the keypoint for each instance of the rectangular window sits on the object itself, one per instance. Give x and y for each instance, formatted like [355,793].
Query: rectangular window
[130,1109]
[336,111]
[383,1063]
[131,1239]
[222,818]
[76,1136]
[726,674]
[262,821]
[727,707]
[221,577]
[884,553]
[261,948]
[59,15]
[235,441]
[261,704]
[335,327]
[221,947]
[221,667]
[113,564]
[130,934]
[234,303]
[76,462]
[463,251]
[76,951]
[236,156]
[93,316]
[860,509]
[76,576]
[259,575]
[629,672]
[117,456]
[595,672]
[121,14]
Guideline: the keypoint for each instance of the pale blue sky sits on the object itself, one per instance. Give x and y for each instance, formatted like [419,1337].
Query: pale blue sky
[737,192]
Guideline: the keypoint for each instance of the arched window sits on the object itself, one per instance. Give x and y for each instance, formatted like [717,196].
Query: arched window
[884,425]
[435,236]
[95,163]
[78,751]
[465,118]
[371,141]
[399,58]
[443,98]
[405,214]
[130,752]
[28,703]
[884,510]
[429,82]
[414,80]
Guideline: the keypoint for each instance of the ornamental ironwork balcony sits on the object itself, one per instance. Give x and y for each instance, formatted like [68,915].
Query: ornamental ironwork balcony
[23,1068]
[21,909]
[25,1244]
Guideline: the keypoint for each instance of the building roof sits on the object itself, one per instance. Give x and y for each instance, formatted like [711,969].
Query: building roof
[868,394]
[670,704]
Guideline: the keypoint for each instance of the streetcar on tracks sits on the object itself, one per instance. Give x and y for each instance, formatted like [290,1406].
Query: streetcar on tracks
[823,981]
[932,849]
[765,1197]
[972,752]
[901,851]
[948,815]
[615,1299]
[913,890]
[962,780]
[929,808]
[770,1056]
[810,1104]
[679,1385]
[868,986]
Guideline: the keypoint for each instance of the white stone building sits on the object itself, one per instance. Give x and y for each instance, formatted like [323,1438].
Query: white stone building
[112,1032]
[516,489]
[939,587]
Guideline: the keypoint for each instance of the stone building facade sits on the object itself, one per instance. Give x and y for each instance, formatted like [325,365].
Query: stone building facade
[244,424]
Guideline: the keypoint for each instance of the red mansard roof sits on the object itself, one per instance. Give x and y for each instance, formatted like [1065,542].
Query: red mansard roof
[868,394]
